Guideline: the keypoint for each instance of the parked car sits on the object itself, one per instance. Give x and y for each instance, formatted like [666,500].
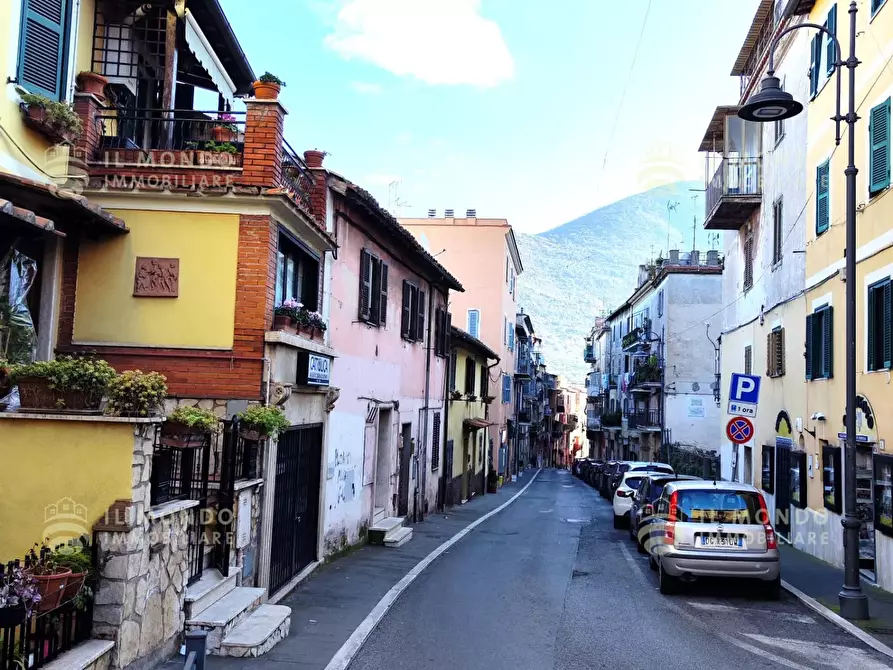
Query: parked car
[623,495]
[636,466]
[607,474]
[713,529]
[578,465]
[641,509]
[594,473]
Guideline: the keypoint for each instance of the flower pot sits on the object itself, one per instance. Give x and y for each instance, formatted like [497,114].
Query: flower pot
[73,586]
[35,117]
[11,616]
[218,159]
[314,158]
[222,134]
[182,437]
[266,90]
[92,83]
[248,433]
[171,158]
[284,323]
[51,588]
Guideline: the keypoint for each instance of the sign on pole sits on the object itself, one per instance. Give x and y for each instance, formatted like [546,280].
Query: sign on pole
[739,430]
[744,394]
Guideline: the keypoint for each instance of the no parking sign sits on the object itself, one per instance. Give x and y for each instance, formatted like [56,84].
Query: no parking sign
[739,430]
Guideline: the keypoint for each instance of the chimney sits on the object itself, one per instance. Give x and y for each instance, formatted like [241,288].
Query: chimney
[471,213]
[713,258]
[432,213]
[674,256]
[319,189]
[695,257]
[448,213]
[262,151]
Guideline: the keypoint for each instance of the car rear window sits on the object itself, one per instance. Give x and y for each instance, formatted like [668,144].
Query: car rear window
[715,506]
[657,488]
[633,482]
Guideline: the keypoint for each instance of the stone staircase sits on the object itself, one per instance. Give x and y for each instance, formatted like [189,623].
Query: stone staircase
[236,619]
[390,532]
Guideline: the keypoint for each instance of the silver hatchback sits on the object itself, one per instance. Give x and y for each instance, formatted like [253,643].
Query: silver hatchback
[713,529]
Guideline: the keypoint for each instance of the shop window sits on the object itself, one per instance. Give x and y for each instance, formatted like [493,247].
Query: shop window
[883,494]
[798,479]
[767,480]
[831,477]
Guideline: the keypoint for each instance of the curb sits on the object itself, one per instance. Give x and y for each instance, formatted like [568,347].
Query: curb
[838,620]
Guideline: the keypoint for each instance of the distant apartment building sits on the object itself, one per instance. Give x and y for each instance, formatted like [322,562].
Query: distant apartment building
[482,254]
[654,367]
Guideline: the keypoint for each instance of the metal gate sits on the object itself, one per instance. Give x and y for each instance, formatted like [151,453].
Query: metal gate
[295,503]
[403,483]
[783,491]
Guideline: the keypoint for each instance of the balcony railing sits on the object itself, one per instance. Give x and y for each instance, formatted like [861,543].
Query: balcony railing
[296,176]
[524,417]
[525,367]
[611,419]
[648,418]
[733,193]
[647,374]
[589,354]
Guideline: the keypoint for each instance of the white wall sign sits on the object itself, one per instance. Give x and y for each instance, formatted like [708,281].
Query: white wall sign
[243,528]
[696,408]
[319,370]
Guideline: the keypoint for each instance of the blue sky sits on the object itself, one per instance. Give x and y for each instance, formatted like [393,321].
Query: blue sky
[506,106]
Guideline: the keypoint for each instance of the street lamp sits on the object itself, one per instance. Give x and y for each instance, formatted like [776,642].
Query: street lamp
[773,104]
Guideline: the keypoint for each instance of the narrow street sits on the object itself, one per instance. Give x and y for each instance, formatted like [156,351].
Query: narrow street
[548,583]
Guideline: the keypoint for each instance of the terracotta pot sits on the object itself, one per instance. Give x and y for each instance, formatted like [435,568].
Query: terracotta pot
[250,434]
[314,158]
[182,437]
[92,83]
[222,134]
[218,159]
[73,585]
[284,323]
[171,159]
[51,589]
[266,91]
[35,117]
[11,616]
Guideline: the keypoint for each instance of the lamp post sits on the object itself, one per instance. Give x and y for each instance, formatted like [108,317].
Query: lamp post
[773,104]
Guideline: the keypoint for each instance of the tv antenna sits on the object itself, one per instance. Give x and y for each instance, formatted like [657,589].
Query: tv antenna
[395,204]
[671,207]
[694,223]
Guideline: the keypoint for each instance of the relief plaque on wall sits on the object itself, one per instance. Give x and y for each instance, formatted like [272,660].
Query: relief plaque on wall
[156,277]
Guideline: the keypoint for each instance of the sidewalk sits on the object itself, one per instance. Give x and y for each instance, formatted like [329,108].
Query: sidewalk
[328,607]
[822,582]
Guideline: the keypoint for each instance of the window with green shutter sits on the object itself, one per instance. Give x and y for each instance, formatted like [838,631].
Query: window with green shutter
[820,343]
[815,66]
[42,45]
[831,51]
[823,194]
[879,147]
[880,344]
[876,5]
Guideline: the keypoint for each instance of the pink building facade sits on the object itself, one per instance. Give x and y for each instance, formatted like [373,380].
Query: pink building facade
[388,322]
[483,256]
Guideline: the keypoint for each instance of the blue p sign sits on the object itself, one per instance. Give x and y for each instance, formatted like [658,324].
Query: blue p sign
[745,388]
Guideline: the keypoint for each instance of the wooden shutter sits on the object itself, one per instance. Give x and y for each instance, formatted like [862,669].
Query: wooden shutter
[420,323]
[474,323]
[888,317]
[831,50]
[810,318]
[875,5]
[438,331]
[872,325]
[470,365]
[435,444]
[485,382]
[779,352]
[454,359]
[822,188]
[42,47]
[879,146]
[828,342]
[365,311]
[406,321]
[814,66]
[770,355]
[748,263]
[383,299]
[506,389]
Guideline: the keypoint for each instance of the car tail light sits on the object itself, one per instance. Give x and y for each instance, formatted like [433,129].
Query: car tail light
[621,493]
[771,540]
[674,501]
[670,534]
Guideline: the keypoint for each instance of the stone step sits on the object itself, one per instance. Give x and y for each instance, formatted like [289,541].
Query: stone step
[206,591]
[226,614]
[378,515]
[258,633]
[399,538]
[380,531]
[90,654]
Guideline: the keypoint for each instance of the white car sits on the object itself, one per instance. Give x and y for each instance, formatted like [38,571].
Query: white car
[629,484]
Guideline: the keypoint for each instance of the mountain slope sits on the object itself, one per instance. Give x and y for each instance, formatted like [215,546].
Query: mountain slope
[591,263]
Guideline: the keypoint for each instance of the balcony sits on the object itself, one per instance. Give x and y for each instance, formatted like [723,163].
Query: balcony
[646,419]
[611,419]
[734,193]
[524,368]
[524,418]
[589,353]
[594,423]
[647,377]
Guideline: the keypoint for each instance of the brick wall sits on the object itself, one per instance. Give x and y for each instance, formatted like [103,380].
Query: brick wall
[264,132]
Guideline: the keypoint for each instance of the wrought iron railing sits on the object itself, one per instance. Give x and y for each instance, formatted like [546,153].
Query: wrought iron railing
[296,176]
[735,177]
[648,418]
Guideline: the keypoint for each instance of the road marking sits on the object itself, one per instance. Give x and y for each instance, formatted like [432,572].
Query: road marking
[354,643]
[697,622]
[715,607]
[834,655]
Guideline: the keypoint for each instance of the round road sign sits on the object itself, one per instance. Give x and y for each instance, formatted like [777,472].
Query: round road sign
[739,430]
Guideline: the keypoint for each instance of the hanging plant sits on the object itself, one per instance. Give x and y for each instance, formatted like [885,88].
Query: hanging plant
[262,421]
[135,393]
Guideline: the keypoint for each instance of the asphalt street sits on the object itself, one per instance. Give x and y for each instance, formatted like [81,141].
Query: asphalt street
[548,583]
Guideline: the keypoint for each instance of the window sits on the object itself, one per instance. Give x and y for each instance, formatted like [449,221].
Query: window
[880,346]
[485,382]
[748,360]
[512,282]
[820,343]
[777,230]
[412,326]
[473,325]
[775,353]
[767,479]
[879,148]
[454,358]
[883,494]
[511,338]
[373,289]
[876,5]
[470,370]
[779,125]
[798,479]
[831,474]
[815,66]
[507,266]
[831,50]
[43,43]
[435,442]
[506,389]
[297,274]
[660,303]
[822,196]
[505,330]
[748,263]
[443,321]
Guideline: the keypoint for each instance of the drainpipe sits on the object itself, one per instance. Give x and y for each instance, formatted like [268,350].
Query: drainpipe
[423,465]
[489,450]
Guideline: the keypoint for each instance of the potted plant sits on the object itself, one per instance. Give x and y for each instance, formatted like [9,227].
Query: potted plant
[261,421]
[67,384]
[492,482]
[455,395]
[188,427]
[317,324]
[136,393]
[92,83]
[57,121]
[471,397]
[215,154]
[488,399]
[285,315]
[225,130]
[79,559]
[51,578]
[18,595]
[5,378]
[268,87]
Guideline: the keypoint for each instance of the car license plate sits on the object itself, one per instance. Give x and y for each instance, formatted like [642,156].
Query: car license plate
[733,541]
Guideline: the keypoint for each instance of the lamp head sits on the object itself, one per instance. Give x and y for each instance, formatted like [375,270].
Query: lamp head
[770,104]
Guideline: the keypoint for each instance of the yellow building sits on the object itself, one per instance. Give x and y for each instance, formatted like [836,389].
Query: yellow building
[468,395]
[825,353]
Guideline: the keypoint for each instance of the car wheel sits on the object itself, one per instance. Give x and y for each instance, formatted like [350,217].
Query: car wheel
[772,590]
[639,546]
[618,521]
[632,535]
[652,563]
[668,584]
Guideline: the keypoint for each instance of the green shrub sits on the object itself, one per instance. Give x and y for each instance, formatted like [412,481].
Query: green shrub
[269,78]
[58,114]
[136,393]
[268,421]
[70,373]
[194,417]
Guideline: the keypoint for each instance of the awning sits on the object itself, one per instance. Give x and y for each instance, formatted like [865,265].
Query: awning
[59,206]
[25,219]
[203,51]
[477,423]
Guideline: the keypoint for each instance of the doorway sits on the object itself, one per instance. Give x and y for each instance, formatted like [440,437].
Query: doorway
[383,462]
[466,458]
[405,458]
[783,491]
[748,465]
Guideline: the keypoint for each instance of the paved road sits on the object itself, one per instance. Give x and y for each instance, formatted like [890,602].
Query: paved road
[548,583]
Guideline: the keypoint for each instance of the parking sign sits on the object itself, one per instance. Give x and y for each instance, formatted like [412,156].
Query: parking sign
[744,394]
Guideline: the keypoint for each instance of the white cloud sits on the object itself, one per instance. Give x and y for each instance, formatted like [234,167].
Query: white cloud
[366,88]
[446,42]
